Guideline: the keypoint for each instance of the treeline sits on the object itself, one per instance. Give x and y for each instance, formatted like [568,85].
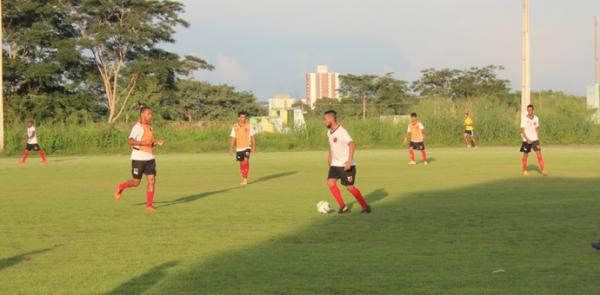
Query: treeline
[76,62]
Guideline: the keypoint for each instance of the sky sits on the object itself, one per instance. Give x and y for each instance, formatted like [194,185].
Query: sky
[266,46]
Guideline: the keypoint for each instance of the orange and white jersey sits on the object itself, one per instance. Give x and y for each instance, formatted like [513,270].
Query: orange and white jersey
[530,126]
[31,135]
[142,132]
[416,131]
[243,136]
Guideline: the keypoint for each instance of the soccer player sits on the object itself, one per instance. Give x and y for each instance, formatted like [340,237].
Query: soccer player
[530,132]
[32,144]
[416,130]
[341,163]
[142,142]
[242,139]
[469,135]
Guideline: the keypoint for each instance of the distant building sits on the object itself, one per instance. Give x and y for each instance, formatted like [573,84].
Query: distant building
[321,84]
[282,115]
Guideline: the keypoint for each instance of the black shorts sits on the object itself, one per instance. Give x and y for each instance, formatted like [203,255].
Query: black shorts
[417,145]
[347,177]
[139,168]
[242,155]
[527,147]
[469,133]
[34,147]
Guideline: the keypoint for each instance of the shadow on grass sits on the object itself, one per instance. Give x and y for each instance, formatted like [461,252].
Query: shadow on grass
[145,281]
[11,261]
[196,197]
[537,230]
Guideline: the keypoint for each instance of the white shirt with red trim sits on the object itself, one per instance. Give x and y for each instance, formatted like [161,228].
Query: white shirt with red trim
[338,145]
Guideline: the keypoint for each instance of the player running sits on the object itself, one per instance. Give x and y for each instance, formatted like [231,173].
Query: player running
[530,132]
[341,163]
[242,139]
[469,136]
[142,142]
[416,130]
[32,144]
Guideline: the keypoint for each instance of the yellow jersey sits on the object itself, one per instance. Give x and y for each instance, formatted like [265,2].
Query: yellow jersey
[469,124]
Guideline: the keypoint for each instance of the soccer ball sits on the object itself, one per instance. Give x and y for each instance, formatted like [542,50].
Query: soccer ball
[323,207]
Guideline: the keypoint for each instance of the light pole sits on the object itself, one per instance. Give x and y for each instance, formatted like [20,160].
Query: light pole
[525,62]
[1,84]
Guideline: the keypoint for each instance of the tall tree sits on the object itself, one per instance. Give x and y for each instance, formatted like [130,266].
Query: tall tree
[122,38]
[363,86]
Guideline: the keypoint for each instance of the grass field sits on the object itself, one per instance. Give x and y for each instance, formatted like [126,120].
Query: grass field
[446,228]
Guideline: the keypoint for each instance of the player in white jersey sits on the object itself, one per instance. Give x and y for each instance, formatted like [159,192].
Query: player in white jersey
[530,133]
[32,144]
[341,163]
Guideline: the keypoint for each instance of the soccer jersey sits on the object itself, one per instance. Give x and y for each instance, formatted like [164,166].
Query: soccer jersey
[416,131]
[468,124]
[142,132]
[530,127]
[31,135]
[243,136]
[338,145]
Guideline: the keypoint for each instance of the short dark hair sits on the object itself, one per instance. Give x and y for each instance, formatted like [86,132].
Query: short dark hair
[413,115]
[144,108]
[331,112]
[531,106]
[243,113]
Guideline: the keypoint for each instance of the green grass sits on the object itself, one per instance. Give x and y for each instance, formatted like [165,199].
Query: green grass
[440,229]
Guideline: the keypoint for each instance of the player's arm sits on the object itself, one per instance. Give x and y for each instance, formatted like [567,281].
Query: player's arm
[423,133]
[231,145]
[524,135]
[406,137]
[537,130]
[352,147]
[329,158]
[159,142]
[253,143]
[32,134]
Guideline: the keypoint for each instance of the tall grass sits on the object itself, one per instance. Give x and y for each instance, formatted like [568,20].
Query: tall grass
[564,120]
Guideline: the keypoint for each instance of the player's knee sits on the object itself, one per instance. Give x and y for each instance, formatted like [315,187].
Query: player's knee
[331,183]
[151,180]
[350,187]
[135,183]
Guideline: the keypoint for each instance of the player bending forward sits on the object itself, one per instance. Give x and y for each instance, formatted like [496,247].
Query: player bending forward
[416,131]
[242,138]
[142,142]
[530,132]
[32,144]
[341,163]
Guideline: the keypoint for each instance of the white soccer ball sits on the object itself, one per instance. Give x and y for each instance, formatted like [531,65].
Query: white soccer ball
[323,207]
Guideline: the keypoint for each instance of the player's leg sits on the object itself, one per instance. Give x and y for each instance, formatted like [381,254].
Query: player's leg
[151,179]
[411,155]
[137,170]
[337,195]
[466,139]
[424,156]
[540,161]
[348,179]
[25,154]
[40,153]
[524,163]
[474,140]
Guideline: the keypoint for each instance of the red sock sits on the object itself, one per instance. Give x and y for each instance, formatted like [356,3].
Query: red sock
[244,168]
[25,155]
[335,191]
[540,160]
[149,199]
[424,154]
[359,197]
[411,154]
[42,155]
[123,186]
[247,170]
[524,162]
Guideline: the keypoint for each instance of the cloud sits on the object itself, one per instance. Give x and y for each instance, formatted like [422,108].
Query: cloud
[227,70]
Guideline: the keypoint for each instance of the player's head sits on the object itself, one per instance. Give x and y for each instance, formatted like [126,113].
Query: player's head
[414,117]
[29,123]
[530,109]
[329,118]
[145,114]
[467,113]
[243,117]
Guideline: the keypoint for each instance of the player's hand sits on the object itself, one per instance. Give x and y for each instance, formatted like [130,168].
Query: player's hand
[231,152]
[348,166]
[160,142]
[405,141]
[528,141]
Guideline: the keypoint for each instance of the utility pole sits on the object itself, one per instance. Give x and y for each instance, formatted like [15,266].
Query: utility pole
[525,62]
[596,51]
[1,83]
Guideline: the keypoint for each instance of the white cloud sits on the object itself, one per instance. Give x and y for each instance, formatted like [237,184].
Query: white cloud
[227,70]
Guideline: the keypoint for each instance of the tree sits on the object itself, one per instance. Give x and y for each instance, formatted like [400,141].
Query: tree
[121,38]
[364,87]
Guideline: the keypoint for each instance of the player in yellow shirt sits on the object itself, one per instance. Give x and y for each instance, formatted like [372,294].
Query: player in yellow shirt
[469,136]
[242,139]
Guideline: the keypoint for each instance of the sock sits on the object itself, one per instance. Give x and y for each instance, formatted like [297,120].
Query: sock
[25,155]
[123,186]
[411,154]
[244,168]
[524,162]
[359,197]
[540,160]
[42,155]
[335,191]
[247,170]
[424,154]
[149,199]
